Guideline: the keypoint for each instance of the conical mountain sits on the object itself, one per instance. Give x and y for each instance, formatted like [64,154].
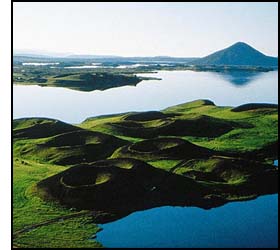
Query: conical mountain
[238,54]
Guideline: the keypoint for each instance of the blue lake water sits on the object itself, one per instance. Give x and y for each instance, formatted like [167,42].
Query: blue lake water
[246,224]
[175,87]
[238,224]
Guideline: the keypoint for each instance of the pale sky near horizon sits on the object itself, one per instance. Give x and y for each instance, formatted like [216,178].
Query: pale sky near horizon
[144,29]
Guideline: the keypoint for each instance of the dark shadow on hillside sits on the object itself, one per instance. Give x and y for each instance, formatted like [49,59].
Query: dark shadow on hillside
[117,187]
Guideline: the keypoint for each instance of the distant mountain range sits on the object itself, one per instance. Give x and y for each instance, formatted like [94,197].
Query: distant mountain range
[238,54]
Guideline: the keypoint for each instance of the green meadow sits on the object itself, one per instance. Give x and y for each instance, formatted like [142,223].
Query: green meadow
[196,154]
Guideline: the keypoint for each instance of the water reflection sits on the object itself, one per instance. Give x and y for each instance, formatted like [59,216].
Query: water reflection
[175,87]
[249,224]
[239,78]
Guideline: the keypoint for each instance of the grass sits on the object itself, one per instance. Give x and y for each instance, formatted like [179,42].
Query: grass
[199,165]
[29,209]
[195,149]
[221,169]
[74,233]
[247,130]
[26,175]
[102,178]
[164,164]
[265,130]
[66,148]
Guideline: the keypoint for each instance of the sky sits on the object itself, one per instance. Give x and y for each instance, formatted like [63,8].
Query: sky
[143,29]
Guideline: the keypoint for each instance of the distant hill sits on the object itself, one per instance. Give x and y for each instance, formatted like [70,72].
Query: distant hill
[101,58]
[238,54]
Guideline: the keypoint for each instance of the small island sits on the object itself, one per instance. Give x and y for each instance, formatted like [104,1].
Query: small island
[144,125]
[82,81]
[85,74]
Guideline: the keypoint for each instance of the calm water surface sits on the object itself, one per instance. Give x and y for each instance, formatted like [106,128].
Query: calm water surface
[237,224]
[175,87]
[247,224]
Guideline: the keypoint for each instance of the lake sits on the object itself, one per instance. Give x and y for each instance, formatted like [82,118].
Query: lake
[246,224]
[238,224]
[175,87]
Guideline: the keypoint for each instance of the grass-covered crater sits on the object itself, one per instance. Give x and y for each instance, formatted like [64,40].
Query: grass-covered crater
[192,154]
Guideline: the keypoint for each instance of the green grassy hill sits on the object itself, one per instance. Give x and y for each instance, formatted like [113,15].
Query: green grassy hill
[62,144]
[161,149]
[34,128]
[192,154]
[119,186]
[200,122]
